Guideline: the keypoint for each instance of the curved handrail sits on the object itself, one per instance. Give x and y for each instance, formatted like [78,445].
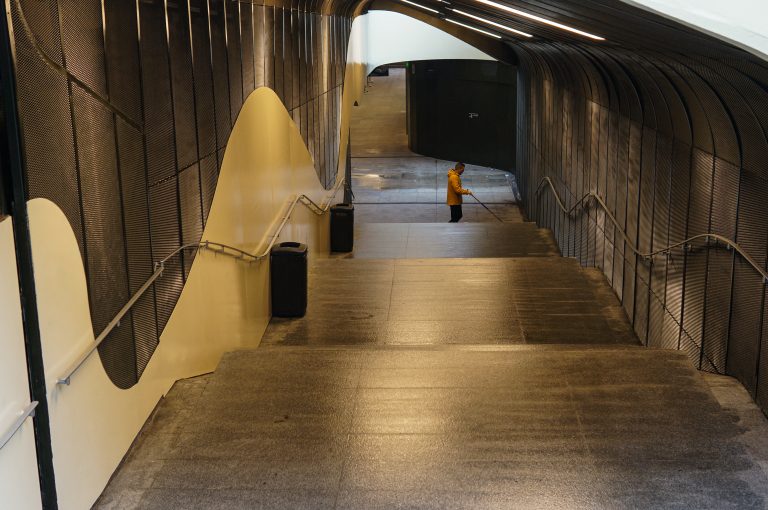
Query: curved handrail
[630,244]
[220,248]
[16,425]
[244,255]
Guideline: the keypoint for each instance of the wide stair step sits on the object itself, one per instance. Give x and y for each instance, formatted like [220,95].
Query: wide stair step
[527,300]
[459,427]
[440,240]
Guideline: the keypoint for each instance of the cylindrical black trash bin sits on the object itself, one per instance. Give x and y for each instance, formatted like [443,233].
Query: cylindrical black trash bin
[342,227]
[288,275]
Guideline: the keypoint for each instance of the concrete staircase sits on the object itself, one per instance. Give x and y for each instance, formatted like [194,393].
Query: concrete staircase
[448,366]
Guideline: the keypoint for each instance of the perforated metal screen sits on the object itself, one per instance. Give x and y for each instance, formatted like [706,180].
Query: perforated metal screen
[676,146]
[126,134]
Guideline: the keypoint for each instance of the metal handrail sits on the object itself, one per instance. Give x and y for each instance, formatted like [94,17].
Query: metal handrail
[27,412]
[217,247]
[630,244]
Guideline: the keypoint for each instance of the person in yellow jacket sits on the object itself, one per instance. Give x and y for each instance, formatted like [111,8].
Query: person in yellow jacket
[455,192]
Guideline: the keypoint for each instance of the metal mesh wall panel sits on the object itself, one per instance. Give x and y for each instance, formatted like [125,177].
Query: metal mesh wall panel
[655,328]
[259,46]
[203,79]
[287,61]
[295,38]
[130,150]
[166,237]
[234,57]
[761,393]
[122,53]
[83,43]
[747,306]
[661,209]
[674,146]
[278,53]
[678,229]
[220,72]
[106,267]
[183,88]
[697,258]
[190,195]
[42,20]
[158,108]
[269,46]
[246,38]
[116,97]
[303,34]
[208,177]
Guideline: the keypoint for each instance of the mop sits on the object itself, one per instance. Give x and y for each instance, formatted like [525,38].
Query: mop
[486,207]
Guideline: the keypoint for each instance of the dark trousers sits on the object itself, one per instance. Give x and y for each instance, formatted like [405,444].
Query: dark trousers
[455,213]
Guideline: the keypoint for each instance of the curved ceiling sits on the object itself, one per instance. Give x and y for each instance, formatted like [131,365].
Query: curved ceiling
[621,25]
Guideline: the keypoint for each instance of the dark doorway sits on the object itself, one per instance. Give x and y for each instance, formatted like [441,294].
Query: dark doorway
[463,110]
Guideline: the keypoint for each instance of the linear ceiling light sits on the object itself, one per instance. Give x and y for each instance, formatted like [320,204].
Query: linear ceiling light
[540,19]
[421,6]
[493,23]
[449,20]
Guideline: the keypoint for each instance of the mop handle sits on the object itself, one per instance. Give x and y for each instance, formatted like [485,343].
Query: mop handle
[486,207]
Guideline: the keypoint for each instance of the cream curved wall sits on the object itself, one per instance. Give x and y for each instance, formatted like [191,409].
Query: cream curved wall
[19,489]
[224,304]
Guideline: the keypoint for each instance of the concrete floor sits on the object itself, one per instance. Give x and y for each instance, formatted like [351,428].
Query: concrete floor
[449,367]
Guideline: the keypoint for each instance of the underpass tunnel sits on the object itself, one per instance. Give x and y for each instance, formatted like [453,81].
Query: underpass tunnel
[666,125]
[154,152]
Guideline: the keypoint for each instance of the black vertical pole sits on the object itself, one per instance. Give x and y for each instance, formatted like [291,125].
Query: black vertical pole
[11,154]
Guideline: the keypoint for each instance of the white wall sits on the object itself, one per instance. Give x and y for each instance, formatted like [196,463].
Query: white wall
[394,37]
[743,23]
[19,489]
[224,304]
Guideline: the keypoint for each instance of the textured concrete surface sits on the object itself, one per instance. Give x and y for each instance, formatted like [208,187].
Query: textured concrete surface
[453,301]
[440,427]
[440,240]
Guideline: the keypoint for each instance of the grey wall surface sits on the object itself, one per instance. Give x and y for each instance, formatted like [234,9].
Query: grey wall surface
[676,146]
[126,134]
[441,96]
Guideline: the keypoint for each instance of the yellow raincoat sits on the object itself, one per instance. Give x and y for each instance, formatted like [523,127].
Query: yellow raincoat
[454,188]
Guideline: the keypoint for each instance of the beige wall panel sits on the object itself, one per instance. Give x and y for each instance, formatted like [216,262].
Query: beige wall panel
[224,305]
[19,487]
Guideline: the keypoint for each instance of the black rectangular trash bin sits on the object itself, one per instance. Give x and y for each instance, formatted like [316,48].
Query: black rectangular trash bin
[288,275]
[342,227]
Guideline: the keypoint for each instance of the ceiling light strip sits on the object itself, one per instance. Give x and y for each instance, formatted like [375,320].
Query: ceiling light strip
[540,19]
[421,6]
[492,23]
[449,20]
